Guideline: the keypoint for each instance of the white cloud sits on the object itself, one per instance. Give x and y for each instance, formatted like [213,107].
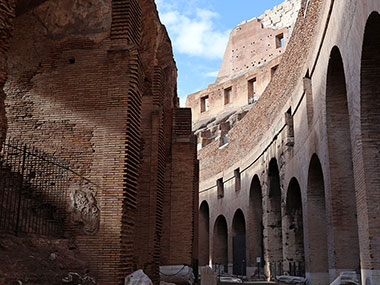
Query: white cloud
[182,102]
[212,73]
[194,33]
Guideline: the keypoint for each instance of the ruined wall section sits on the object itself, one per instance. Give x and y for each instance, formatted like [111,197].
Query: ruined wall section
[95,82]
[253,43]
[159,101]
[69,92]
[254,50]
[184,194]
[41,49]
[167,138]
[264,114]
[250,46]
[7,14]
[281,16]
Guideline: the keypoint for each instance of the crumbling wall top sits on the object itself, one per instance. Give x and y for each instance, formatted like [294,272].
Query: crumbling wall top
[259,40]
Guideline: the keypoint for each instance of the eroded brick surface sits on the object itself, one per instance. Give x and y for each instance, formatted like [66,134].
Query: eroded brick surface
[94,82]
[317,119]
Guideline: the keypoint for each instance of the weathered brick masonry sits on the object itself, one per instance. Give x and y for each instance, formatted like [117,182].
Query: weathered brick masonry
[95,82]
[305,157]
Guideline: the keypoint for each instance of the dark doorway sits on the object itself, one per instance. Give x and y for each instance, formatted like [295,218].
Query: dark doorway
[274,224]
[346,245]
[317,221]
[239,244]
[369,180]
[294,230]
[204,246]
[255,228]
[220,247]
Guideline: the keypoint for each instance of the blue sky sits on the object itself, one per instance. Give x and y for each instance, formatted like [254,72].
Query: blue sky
[199,31]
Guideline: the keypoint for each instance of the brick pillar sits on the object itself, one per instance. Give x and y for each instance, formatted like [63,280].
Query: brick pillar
[183,198]
[7,13]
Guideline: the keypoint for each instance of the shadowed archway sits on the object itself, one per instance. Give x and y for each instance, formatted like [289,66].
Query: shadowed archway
[346,242]
[293,224]
[239,243]
[317,263]
[274,220]
[204,234]
[220,245]
[255,240]
[369,182]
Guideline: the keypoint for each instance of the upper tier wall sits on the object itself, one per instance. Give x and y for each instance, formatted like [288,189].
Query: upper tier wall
[254,42]
[267,112]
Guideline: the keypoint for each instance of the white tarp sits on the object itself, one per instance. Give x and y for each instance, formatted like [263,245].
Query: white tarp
[347,278]
[178,274]
[137,278]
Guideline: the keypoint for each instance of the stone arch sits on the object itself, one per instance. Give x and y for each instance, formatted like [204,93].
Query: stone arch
[239,243]
[317,262]
[293,224]
[273,222]
[204,234]
[369,182]
[220,245]
[343,199]
[255,226]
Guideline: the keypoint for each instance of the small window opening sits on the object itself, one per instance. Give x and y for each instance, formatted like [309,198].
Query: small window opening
[290,123]
[227,95]
[237,179]
[307,85]
[204,104]
[273,70]
[223,139]
[252,90]
[307,2]
[72,60]
[220,187]
[280,40]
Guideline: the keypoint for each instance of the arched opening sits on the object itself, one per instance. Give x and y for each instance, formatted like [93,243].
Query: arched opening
[255,229]
[317,263]
[204,245]
[370,140]
[294,255]
[274,220]
[220,247]
[238,243]
[346,241]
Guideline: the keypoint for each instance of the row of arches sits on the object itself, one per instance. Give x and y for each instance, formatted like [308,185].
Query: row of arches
[282,226]
[313,225]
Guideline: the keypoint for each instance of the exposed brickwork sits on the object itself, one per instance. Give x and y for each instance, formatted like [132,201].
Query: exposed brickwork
[254,47]
[183,193]
[96,84]
[318,118]
[370,118]
[341,169]
[270,103]
[7,13]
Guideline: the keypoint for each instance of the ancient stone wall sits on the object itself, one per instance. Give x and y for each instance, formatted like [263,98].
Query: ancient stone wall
[314,121]
[94,82]
[251,58]
[281,16]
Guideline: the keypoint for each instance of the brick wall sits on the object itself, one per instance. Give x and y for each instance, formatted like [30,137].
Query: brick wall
[270,103]
[251,52]
[325,88]
[97,84]
[183,196]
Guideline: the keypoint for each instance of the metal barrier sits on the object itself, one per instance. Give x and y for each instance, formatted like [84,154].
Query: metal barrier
[275,269]
[32,190]
[297,268]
